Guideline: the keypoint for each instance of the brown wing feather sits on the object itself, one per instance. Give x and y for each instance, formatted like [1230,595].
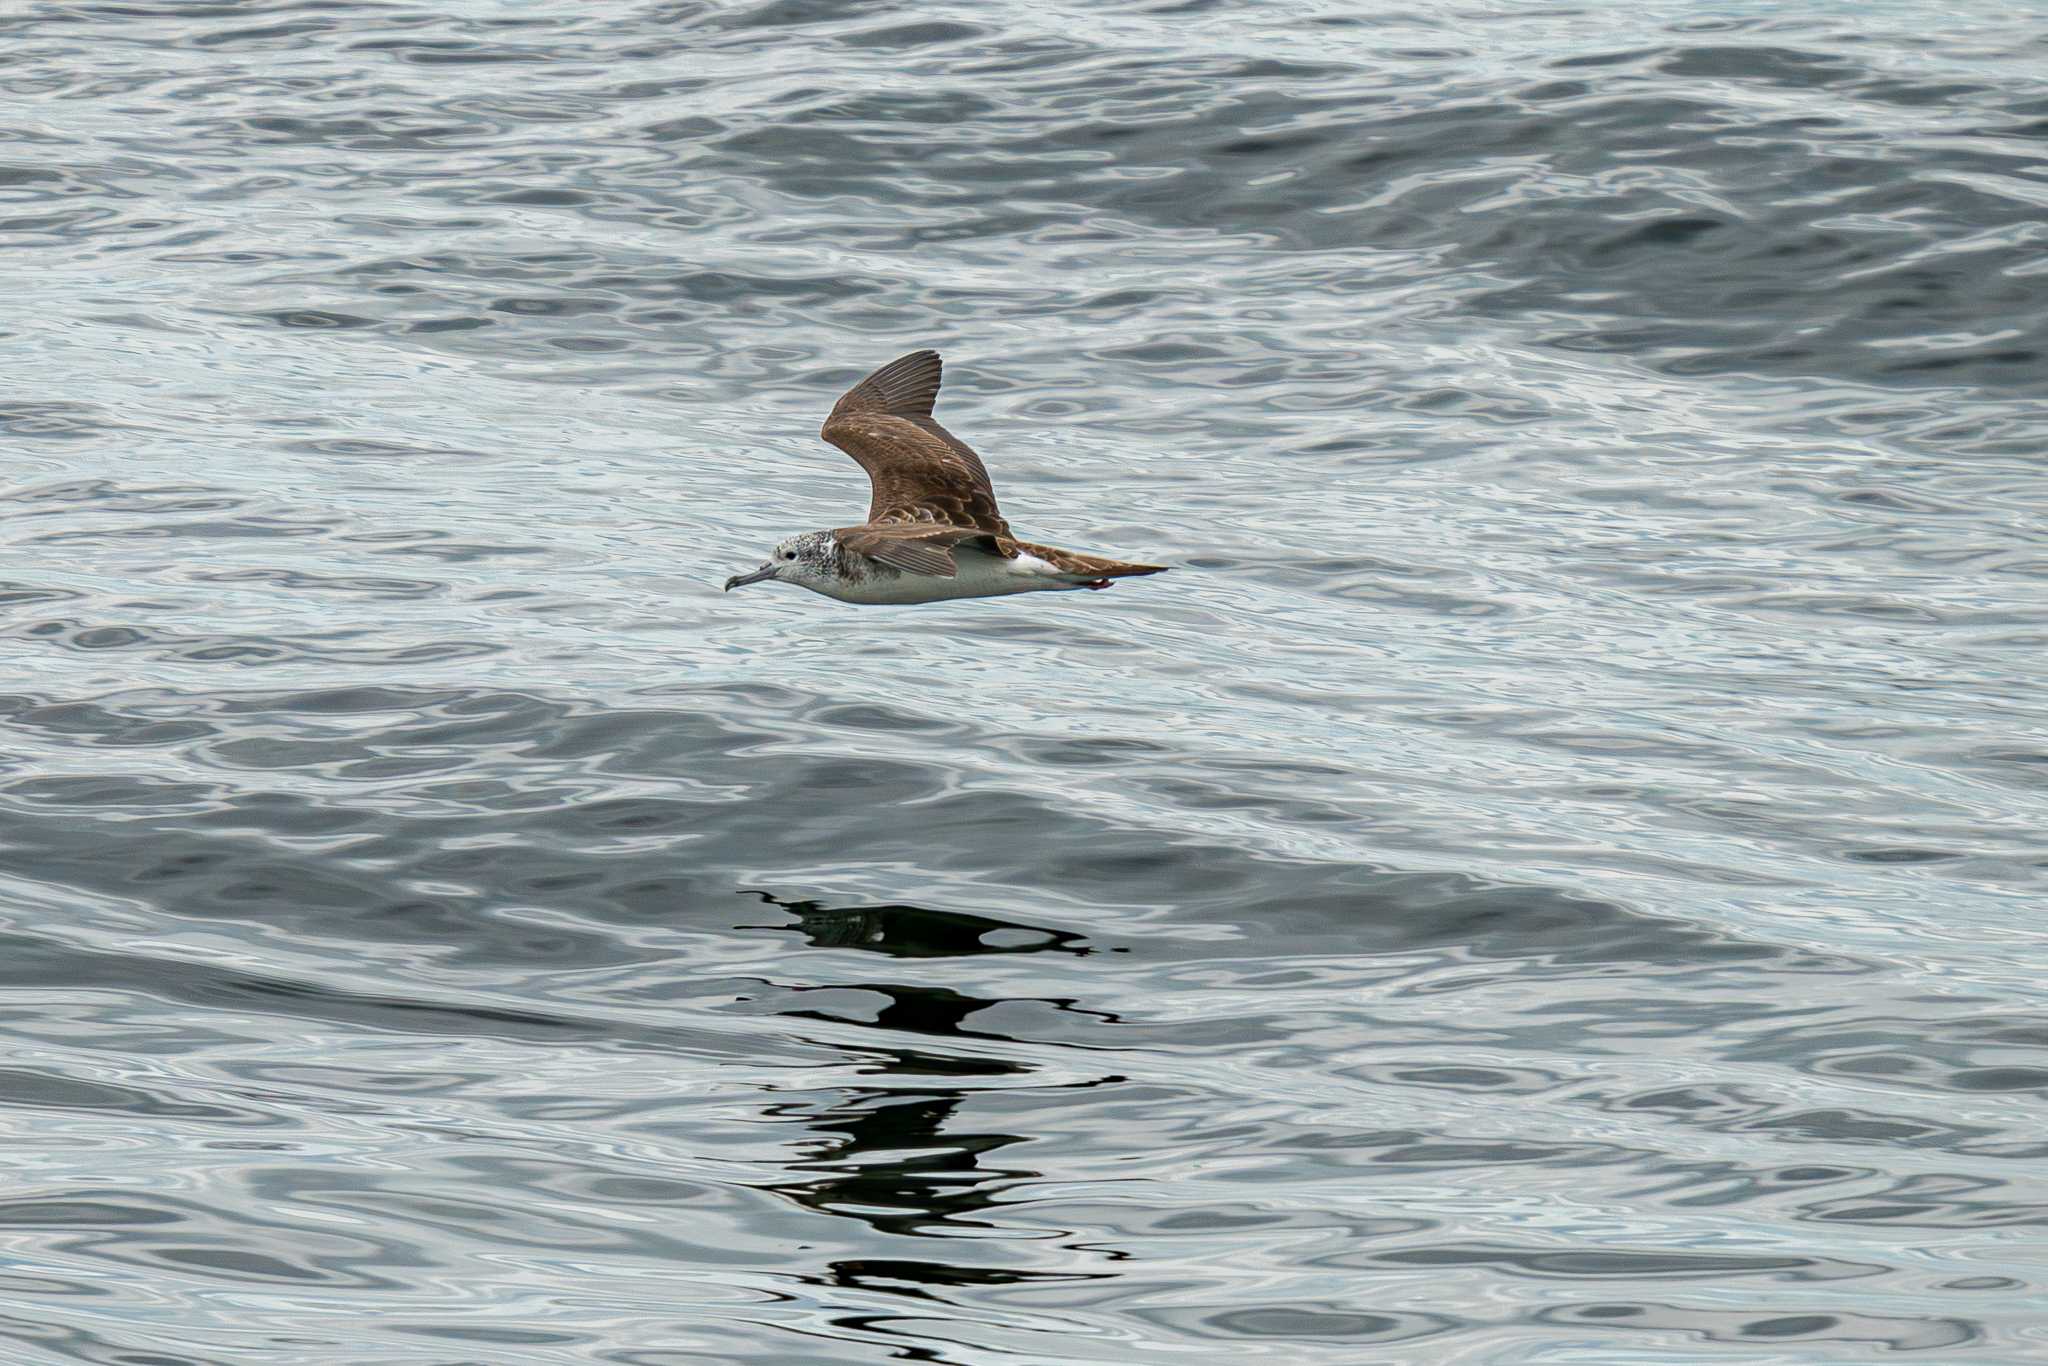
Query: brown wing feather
[920,472]
[918,548]
[906,387]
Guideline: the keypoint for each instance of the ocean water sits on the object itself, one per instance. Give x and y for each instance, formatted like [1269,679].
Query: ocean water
[1554,874]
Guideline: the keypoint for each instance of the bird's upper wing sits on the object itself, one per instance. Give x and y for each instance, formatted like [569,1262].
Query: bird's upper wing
[921,472]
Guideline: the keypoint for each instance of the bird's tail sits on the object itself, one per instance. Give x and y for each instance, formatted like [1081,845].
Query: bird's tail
[1088,567]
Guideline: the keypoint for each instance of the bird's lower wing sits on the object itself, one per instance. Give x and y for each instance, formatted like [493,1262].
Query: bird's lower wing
[919,548]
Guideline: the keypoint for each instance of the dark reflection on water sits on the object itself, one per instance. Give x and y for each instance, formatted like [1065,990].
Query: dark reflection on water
[1550,875]
[914,932]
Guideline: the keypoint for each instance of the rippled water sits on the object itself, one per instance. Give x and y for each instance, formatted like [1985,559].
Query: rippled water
[1554,875]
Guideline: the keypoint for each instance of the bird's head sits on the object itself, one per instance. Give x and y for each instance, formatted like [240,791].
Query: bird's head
[806,560]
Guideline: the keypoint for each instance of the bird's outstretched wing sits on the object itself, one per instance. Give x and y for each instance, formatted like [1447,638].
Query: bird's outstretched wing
[922,474]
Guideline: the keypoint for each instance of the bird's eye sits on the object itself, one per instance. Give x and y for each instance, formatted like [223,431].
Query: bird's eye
[789,554]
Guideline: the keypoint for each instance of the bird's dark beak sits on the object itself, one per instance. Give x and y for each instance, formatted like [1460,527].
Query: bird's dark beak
[766,571]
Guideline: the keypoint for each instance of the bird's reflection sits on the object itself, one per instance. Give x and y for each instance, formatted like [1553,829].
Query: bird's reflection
[915,932]
[905,1159]
[885,1157]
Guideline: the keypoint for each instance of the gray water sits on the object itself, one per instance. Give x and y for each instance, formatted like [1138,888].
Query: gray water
[1554,873]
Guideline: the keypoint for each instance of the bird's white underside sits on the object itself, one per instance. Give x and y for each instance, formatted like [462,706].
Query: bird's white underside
[977,575]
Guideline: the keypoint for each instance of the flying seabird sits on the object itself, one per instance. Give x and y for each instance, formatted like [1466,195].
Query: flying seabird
[933,531]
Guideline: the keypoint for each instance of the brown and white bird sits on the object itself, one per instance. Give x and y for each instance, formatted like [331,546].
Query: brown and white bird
[933,531]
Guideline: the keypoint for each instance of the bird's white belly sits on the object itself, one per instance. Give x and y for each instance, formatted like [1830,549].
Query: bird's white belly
[976,576]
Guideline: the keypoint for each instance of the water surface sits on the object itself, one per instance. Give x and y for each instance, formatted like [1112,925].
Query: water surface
[1552,875]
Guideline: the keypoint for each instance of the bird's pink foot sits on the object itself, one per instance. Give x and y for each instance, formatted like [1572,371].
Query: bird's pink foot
[1097,583]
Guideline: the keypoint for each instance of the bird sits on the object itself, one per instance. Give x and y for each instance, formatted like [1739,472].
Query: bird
[933,531]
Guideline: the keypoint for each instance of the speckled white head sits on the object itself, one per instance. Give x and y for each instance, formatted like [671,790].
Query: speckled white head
[811,561]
